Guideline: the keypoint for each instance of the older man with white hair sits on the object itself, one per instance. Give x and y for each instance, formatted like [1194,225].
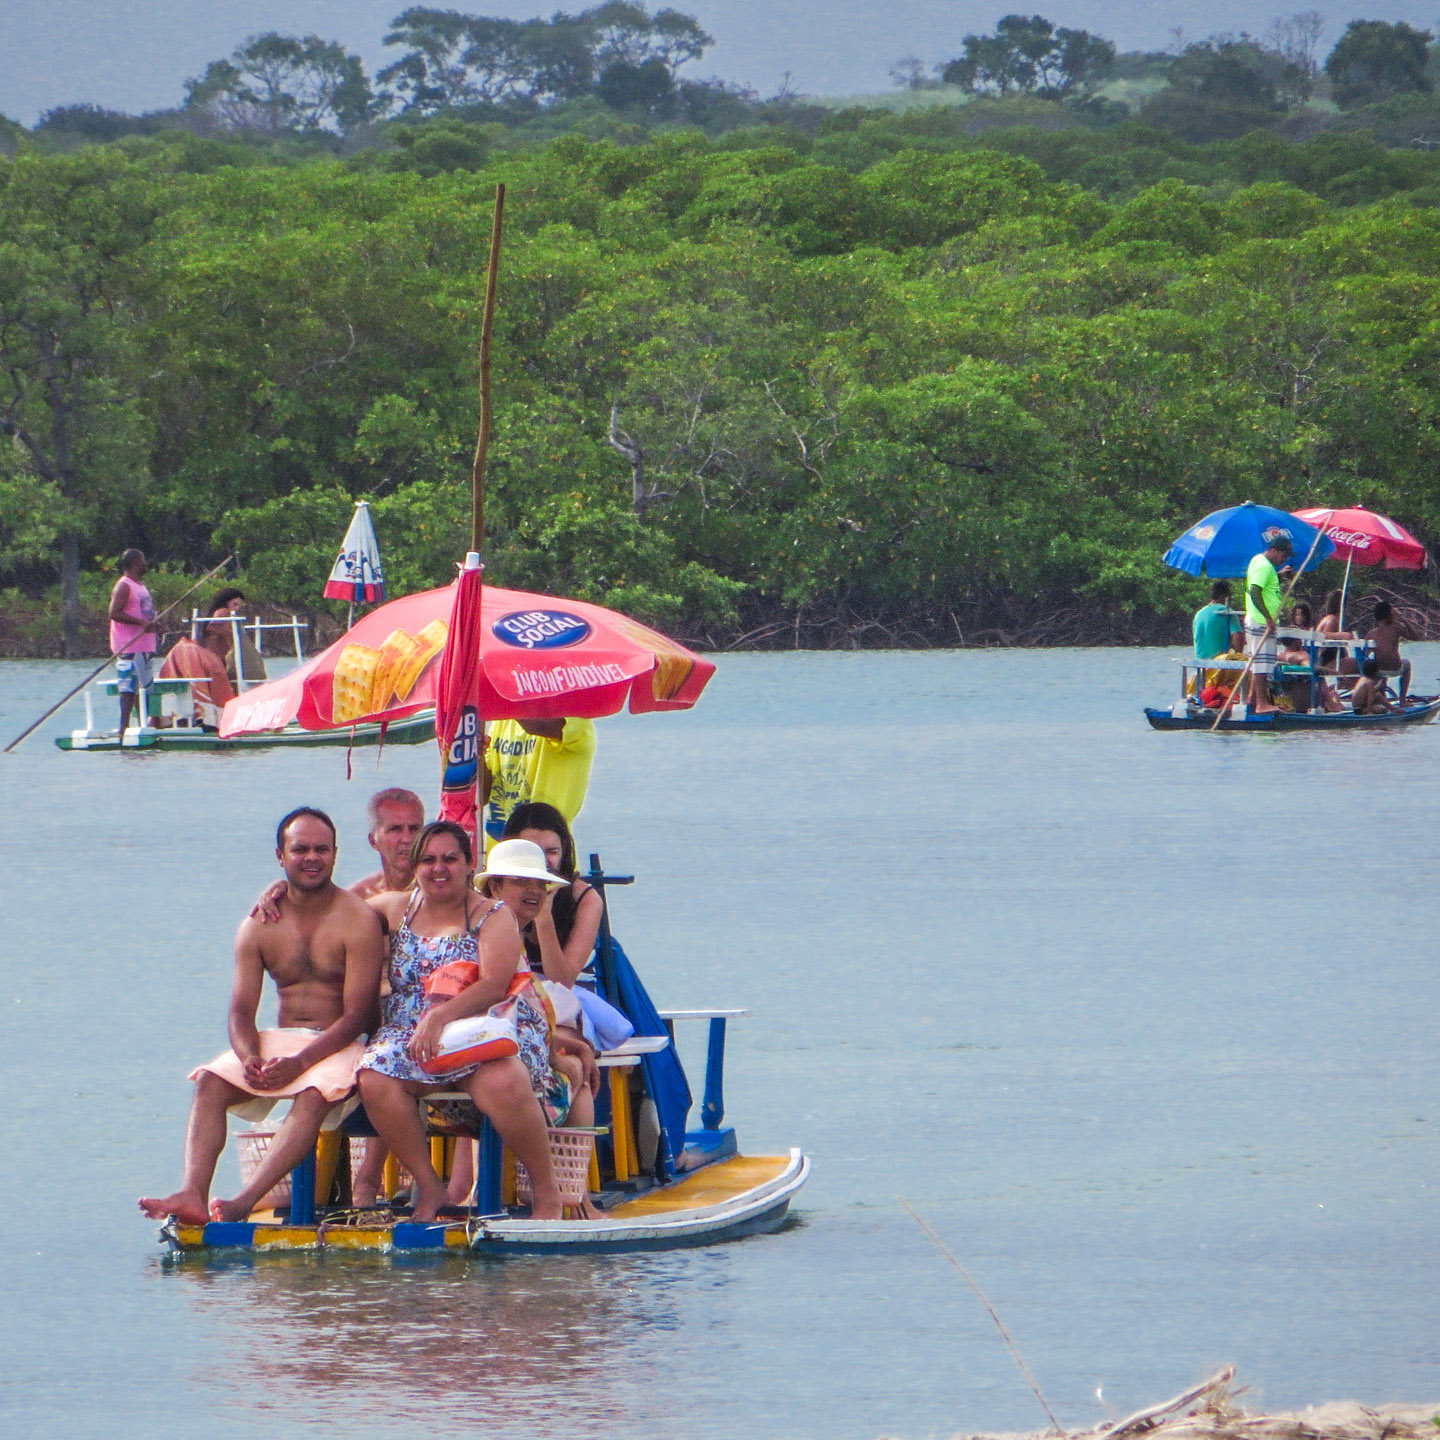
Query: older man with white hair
[396,817]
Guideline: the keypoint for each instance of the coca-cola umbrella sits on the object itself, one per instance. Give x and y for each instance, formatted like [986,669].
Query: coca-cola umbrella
[540,658]
[1365,537]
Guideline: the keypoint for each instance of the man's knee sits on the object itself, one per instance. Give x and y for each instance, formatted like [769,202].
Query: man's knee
[213,1092]
[309,1102]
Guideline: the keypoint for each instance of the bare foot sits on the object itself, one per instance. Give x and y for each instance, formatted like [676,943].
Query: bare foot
[549,1208]
[228,1211]
[428,1202]
[187,1209]
[588,1211]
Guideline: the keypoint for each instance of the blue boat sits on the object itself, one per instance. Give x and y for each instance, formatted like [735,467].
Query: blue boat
[1188,713]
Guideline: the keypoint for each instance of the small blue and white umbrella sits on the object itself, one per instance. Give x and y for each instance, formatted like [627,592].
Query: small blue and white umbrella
[358,576]
[1224,543]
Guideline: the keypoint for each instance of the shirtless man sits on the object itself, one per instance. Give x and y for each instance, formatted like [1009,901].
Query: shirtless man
[324,955]
[1368,696]
[1386,636]
[396,817]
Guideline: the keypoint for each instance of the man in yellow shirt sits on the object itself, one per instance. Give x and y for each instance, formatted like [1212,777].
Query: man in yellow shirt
[545,760]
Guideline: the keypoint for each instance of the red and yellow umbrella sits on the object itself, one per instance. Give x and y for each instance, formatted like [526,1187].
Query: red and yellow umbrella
[539,658]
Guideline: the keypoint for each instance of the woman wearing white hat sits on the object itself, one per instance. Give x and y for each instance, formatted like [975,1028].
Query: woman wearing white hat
[516,875]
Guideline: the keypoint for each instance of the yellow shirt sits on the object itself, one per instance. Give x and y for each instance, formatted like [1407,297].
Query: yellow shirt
[530,767]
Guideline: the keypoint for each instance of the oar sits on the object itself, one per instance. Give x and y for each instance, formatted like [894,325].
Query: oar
[70,694]
[1289,589]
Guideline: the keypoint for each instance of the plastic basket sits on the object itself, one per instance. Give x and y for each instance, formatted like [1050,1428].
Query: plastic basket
[358,1143]
[570,1152]
[253,1146]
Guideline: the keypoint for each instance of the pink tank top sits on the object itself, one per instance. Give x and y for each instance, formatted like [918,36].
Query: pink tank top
[134,639]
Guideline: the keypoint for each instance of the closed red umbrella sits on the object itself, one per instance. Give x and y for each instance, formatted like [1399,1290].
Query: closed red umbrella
[458,726]
[1363,537]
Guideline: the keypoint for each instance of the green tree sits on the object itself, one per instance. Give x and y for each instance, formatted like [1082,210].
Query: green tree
[1028,53]
[285,82]
[1375,60]
[73,231]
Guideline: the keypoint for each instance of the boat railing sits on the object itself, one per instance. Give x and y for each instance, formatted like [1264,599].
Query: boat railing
[168,689]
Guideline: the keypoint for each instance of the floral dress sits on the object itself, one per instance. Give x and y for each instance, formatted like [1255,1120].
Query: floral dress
[413,959]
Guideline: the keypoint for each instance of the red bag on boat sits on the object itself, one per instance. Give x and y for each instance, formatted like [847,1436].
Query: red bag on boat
[449,980]
[477,1038]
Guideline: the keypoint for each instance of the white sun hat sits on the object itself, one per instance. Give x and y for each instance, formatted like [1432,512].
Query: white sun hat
[519,860]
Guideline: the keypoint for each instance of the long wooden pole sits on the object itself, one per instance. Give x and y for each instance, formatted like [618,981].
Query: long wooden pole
[70,695]
[482,440]
[1250,662]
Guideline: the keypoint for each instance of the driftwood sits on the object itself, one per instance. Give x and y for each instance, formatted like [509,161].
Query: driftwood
[1209,1412]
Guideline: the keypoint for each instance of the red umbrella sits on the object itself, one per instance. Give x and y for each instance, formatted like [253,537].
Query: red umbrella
[1364,538]
[457,721]
[540,658]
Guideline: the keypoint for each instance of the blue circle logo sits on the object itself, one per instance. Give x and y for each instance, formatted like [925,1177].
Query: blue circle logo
[541,629]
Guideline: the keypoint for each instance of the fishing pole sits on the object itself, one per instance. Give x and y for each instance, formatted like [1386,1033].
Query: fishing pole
[965,1275]
[70,695]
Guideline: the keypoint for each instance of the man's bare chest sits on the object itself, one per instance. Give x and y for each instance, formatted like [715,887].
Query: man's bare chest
[299,957]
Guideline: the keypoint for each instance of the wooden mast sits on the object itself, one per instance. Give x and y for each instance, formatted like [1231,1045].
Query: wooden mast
[482,440]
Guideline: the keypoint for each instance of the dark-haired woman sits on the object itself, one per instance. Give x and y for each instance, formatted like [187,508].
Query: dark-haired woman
[441,921]
[561,940]
[1329,624]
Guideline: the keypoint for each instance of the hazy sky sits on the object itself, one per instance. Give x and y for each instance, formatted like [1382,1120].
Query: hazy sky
[136,54]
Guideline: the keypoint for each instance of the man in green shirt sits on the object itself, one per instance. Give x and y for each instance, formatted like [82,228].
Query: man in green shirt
[1262,614]
[1212,623]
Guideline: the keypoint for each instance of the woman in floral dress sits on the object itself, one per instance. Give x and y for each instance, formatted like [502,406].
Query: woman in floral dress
[442,920]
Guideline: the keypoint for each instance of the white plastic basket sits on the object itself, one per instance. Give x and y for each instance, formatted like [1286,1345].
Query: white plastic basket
[253,1146]
[570,1152]
[357,1158]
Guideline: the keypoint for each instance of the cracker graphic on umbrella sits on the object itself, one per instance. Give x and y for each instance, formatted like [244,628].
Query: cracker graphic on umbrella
[428,644]
[353,682]
[399,647]
[673,663]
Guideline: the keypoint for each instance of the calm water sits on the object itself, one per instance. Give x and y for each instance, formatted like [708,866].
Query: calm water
[1145,1025]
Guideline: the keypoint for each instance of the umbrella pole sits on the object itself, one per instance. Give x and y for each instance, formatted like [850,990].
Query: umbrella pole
[482,440]
[477,479]
[1344,587]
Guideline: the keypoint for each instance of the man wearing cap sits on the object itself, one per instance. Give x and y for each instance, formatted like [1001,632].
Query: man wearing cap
[1262,610]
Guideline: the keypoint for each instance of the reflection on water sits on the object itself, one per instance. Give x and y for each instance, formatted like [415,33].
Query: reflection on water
[549,1341]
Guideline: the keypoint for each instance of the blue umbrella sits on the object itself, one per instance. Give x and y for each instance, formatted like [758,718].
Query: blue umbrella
[1223,544]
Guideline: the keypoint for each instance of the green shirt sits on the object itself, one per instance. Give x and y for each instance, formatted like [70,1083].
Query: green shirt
[1212,630]
[1262,576]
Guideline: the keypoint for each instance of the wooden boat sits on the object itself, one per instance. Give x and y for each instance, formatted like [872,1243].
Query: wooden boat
[180,734]
[1188,714]
[656,1191]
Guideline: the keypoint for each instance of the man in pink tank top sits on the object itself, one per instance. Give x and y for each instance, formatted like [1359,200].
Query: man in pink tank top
[133,632]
